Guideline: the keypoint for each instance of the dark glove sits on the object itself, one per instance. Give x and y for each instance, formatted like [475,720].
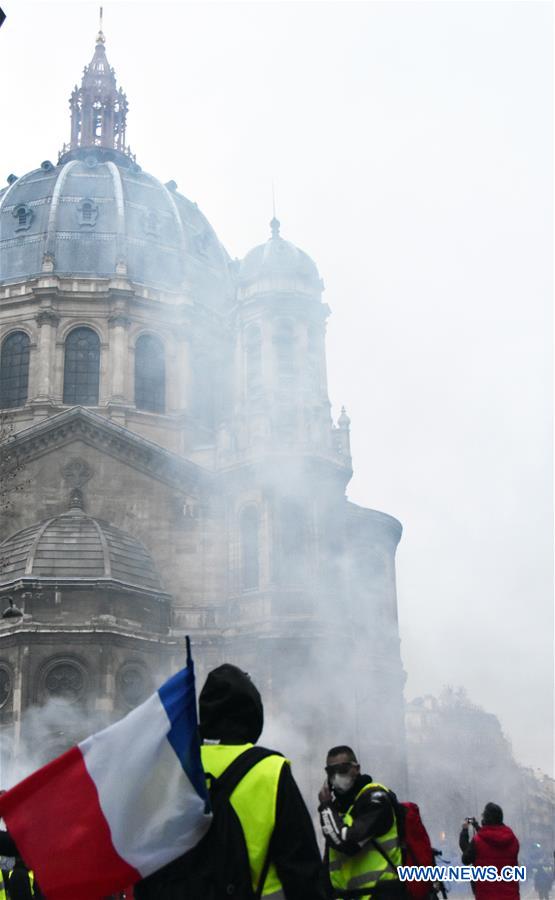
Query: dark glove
[332,825]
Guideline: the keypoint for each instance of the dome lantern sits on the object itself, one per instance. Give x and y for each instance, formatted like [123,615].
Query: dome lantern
[98,107]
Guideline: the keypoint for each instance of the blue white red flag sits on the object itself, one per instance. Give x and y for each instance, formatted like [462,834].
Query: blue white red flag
[119,805]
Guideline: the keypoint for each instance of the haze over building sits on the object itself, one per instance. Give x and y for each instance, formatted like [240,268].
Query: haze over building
[182,472]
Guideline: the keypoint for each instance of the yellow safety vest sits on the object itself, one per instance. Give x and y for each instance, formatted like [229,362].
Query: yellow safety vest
[31,875]
[367,868]
[3,895]
[254,801]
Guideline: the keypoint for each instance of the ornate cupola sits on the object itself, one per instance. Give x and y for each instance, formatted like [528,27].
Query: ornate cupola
[98,107]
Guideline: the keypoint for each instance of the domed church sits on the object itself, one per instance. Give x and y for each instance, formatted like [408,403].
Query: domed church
[166,421]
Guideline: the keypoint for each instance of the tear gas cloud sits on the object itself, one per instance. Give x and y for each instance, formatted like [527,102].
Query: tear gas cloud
[434,248]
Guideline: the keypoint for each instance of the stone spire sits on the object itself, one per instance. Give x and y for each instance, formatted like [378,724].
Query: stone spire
[98,107]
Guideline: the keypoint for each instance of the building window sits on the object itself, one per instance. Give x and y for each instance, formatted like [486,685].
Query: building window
[88,213]
[249,548]
[14,370]
[82,367]
[151,223]
[253,354]
[284,344]
[293,527]
[150,374]
[24,216]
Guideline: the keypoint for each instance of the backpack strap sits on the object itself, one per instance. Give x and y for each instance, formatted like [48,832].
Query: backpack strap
[384,853]
[228,781]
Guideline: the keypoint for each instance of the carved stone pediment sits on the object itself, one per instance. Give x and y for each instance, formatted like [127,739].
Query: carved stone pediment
[79,424]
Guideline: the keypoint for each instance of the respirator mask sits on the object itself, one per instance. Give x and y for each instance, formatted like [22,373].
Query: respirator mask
[341,777]
[342,783]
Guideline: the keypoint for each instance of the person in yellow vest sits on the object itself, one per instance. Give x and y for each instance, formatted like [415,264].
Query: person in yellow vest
[3,880]
[21,882]
[359,824]
[266,800]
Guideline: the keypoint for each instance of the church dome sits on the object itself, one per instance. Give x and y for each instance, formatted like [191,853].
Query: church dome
[75,548]
[98,214]
[280,263]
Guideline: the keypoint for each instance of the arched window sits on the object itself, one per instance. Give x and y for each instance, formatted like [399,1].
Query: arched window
[150,374]
[284,343]
[82,367]
[14,370]
[253,352]
[249,548]
[293,527]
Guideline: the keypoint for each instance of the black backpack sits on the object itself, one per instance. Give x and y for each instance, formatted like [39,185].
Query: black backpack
[218,867]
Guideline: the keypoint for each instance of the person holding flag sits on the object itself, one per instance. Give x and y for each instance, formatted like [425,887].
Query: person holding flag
[274,856]
[118,806]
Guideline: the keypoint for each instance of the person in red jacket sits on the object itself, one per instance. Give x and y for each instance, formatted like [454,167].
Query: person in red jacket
[493,844]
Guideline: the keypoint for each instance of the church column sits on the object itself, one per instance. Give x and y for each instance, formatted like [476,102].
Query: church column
[119,324]
[47,321]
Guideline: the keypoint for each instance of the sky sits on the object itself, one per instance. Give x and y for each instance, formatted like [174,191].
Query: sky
[409,145]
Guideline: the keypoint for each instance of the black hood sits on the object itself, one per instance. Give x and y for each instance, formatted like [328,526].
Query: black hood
[230,707]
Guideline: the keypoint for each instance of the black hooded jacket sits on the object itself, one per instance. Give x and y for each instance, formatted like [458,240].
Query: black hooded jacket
[231,713]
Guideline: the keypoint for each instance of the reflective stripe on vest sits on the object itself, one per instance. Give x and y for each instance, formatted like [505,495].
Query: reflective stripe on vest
[366,868]
[254,800]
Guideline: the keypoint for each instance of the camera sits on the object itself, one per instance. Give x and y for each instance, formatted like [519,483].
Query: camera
[471,820]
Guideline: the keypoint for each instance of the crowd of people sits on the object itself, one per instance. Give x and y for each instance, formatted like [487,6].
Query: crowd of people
[269,848]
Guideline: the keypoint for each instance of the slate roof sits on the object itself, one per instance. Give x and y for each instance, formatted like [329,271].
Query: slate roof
[75,547]
[160,236]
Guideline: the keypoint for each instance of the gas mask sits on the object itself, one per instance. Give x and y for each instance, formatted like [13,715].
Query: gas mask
[342,783]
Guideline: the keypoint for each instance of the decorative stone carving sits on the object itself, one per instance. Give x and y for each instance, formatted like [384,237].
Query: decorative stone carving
[48,261]
[64,681]
[97,431]
[47,317]
[119,318]
[133,684]
[77,472]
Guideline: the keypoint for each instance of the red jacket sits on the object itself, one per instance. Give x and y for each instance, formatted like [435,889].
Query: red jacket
[496,845]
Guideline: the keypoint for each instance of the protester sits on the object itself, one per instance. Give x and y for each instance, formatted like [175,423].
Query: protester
[19,881]
[493,844]
[276,826]
[359,823]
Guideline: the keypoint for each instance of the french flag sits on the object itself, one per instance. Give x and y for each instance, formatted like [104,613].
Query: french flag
[119,805]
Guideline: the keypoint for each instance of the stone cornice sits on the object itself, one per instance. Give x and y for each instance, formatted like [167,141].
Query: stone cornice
[47,283]
[35,632]
[78,423]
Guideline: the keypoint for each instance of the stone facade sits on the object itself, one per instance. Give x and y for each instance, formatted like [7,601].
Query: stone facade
[205,438]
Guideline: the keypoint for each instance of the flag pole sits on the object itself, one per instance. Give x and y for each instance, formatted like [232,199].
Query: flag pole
[188,646]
